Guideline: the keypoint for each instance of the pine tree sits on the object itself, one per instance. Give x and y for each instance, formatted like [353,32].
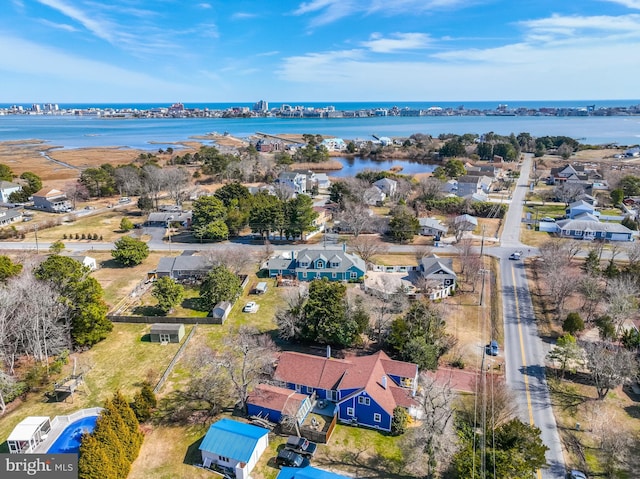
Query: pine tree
[132,434]
[93,462]
[106,435]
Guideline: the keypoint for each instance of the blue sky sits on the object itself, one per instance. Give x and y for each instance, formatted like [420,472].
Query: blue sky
[318,50]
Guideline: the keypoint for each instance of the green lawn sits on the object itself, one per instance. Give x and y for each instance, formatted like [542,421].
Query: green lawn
[554,210]
[122,361]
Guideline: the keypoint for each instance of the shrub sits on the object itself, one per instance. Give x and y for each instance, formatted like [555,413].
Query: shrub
[399,421]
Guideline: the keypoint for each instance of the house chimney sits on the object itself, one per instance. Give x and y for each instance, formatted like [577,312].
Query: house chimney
[384,382]
[328,352]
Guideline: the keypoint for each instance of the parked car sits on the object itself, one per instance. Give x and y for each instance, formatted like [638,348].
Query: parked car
[291,459]
[301,446]
[250,307]
[492,348]
[574,474]
[548,219]
[516,255]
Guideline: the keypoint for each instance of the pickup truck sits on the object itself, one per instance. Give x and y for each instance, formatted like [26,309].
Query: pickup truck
[301,446]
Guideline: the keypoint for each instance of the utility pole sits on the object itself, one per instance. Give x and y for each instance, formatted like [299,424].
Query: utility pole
[35,230]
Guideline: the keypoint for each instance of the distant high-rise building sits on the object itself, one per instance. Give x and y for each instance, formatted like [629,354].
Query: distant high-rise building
[261,106]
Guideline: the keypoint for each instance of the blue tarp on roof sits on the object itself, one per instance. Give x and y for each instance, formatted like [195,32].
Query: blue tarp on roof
[232,439]
[308,472]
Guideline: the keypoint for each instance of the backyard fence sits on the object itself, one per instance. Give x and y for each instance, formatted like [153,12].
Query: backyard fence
[174,360]
[163,319]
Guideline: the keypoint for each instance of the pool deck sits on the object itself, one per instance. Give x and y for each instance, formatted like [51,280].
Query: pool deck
[59,423]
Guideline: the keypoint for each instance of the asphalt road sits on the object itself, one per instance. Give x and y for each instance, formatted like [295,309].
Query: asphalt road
[524,350]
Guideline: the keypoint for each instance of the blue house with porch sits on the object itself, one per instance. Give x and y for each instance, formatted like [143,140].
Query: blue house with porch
[309,264]
[363,389]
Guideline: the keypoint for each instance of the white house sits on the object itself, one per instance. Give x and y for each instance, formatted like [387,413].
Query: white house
[374,195]
[294,180]
[432,227]
[234,445]
[334,144]
[9,216]
[387,186]
[87,261]
[6,188]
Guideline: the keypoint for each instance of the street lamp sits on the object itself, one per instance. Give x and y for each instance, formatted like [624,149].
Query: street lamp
[169,219]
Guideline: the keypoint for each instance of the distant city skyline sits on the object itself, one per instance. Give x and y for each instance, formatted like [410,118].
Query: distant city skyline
[319,50]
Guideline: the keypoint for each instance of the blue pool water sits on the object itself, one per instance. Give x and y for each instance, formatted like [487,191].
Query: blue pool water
[69,440]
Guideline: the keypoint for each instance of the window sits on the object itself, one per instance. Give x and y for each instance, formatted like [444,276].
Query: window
[335,265]
[304,264]
[304,274]
[334,275]
[223,459]
[354,275]
[350,412]
[377,417]
[364,400]
[309,390]
[332,395]
[298,388]
[320,264]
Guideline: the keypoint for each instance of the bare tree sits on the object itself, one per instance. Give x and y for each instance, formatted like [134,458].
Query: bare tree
[367,247]
[153,182]
[633,253]
[177,182]
[573,248]
[235,258]
[465,250]
[589,288]
[434,438]
[127,180]
[249,358]
[7,383]
[608,365]
[289,318]
[621,300]
[283,191]
[568,192]
[422,252]
[76,191]
[208,389]
[357,217]
[430,188]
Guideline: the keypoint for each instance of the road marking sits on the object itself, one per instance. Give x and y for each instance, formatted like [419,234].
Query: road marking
[524,361]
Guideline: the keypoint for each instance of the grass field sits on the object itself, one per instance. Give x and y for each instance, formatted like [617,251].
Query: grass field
[106,225]
[122,362]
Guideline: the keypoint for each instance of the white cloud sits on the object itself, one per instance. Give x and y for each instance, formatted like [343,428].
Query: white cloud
[626,3]
[205,6]
[566,26]
[26,61]
[99,28]
[515,71]
[58,26]
[329,11]
[398,42]
[243,15]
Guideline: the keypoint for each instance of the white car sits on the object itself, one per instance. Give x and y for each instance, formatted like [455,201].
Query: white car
[250,307]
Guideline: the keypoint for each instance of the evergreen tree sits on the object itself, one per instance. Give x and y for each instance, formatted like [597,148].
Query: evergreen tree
[131,424]
[93,462]
[573,323]
[168,293]
[219,285]
[130,251]
[106,433]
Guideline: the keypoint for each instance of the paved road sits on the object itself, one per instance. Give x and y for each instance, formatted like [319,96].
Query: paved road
[523,349]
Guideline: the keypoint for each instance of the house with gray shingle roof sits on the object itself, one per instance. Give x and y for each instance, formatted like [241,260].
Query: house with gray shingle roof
[439,275]
[183,267]
[432,227]
[6,188]
[365,389]
[309,264]
[9,216]
[588,227]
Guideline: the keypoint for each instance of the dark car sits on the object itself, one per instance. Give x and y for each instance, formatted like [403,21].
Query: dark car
[291,459]
[301,446]
[492,348]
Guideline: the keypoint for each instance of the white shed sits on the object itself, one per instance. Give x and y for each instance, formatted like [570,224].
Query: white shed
[235,445]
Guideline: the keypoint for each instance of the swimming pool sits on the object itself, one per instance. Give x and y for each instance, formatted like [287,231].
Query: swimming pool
[69,440]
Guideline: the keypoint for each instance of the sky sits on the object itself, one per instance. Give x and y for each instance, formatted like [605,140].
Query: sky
[64,51]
